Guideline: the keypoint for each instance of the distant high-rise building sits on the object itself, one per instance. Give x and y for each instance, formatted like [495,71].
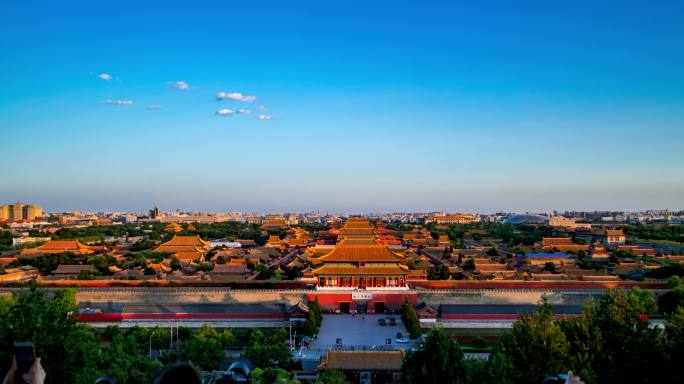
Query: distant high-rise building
[562,221]
[20,211]
[154,213]
[456,218]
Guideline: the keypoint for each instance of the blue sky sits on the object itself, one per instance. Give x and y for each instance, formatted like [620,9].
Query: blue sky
[373,106]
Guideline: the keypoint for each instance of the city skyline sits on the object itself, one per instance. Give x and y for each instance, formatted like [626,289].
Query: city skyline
[342,213]
[353,107]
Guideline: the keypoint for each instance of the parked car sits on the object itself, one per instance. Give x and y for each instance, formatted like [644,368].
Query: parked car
[393,321]
[382,322]
[89,311]
[402,340]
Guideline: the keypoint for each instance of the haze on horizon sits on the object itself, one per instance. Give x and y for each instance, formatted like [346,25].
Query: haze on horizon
[348,106]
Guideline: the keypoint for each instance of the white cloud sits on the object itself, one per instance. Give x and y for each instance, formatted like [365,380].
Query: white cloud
[261,107]
[180,85]
[118,102]
[105,76]
[265,117]
[236,96]
[153,107]
[225,112]
[243,111]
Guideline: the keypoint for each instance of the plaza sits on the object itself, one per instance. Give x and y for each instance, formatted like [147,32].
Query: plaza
[359,332]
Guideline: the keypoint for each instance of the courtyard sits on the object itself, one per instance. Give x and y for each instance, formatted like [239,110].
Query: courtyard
[360,332]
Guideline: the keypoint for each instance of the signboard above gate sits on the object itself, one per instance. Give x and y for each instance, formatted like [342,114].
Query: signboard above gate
[362,296]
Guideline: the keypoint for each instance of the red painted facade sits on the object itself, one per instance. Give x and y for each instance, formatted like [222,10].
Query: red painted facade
[367,281]
[98,317]
[375,302]
[492,316]
[457,284]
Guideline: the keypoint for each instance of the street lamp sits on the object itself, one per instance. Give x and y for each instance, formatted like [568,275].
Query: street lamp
[151,334]
[171,335]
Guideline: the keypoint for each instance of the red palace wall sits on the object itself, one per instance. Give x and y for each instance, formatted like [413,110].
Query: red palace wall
[339,300]
[560,285]
[494,316]
[90,318]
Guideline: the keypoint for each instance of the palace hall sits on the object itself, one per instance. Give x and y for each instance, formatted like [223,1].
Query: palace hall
[359,261]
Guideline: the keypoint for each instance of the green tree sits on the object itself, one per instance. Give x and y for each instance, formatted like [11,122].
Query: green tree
[48,263]
[268,351]
[100,262]
[410,319]
[271,376]
[646,300]
[205,267]
[669,301]
[439,272]
[264,272]
[294,273]
[438,361]
[500,368]
[111,332]
[175,264]
[37,316]
[7,304]
[479,343]
[205,348]
[310,325]
[477,372]
[83,352]
[585,344]
[139,261]
[630,353]
[71,352]
[142,245]
[85,275]
[184,334]
[673,346]
[332,376]
[666,271]
[550,266]
[535,343]
[125,358]
[316,308]
[314,318]
[227,338]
